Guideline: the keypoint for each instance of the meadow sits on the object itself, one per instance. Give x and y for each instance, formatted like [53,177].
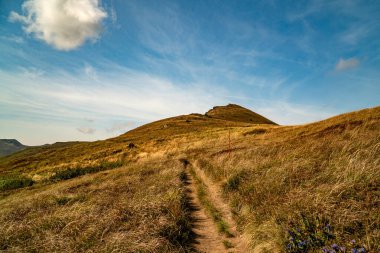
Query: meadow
[307,188]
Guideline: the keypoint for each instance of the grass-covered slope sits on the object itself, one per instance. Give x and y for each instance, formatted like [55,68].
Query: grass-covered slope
[291,188]
[305,188]
[135,208]
[42,162]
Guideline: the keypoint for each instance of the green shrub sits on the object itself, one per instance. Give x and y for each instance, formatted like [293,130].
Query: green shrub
[76,172]
[14,182]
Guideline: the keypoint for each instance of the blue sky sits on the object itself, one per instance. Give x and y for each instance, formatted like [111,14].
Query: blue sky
[88,70]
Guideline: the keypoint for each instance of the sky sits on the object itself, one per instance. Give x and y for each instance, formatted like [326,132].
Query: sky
[89,70]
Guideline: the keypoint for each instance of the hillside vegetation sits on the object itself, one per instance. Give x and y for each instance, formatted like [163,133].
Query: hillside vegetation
[308,188]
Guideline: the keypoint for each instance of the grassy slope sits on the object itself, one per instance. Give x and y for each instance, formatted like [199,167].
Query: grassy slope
[305,187]
[103,212]
[277,179]
[41,162]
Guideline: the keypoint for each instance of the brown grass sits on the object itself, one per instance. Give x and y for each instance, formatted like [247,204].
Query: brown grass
[281,182]
[105,212]
[327,172]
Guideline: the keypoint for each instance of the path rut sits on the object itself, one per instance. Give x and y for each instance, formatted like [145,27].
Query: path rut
[239,241]
[208,239]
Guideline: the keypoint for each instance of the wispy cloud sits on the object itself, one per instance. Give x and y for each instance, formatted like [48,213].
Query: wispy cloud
[357,32]
[90,72]
[13,39]
[120,127]
[64,24]
[86,130]
[119,100]
[120,95]
[284,112]
[345,64]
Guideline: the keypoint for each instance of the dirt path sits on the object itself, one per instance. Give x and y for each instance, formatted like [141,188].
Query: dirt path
[208,238]
[239,241]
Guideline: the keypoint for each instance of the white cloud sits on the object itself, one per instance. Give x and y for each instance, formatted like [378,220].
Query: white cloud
[346,64]
[86,130]
[64,24]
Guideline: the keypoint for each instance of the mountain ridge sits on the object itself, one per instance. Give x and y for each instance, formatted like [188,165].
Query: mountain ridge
[10,146]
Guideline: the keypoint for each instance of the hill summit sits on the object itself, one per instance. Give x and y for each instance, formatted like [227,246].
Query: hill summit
[232,112]
[230,115]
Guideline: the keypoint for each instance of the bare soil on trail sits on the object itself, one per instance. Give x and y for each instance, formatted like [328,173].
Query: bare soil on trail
[239,241]
[208,239]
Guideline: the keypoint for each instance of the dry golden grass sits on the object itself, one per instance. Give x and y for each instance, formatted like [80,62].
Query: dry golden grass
[303,178]
[280,181]
[131,209]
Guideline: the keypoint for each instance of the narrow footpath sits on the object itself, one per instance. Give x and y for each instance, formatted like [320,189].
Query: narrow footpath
[208,238]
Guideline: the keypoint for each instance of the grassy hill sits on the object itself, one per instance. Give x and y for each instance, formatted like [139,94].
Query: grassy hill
[302,188]
[10,146]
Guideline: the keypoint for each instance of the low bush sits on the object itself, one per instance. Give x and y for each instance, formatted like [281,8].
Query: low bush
[256,131]
[10,183]
[80,171]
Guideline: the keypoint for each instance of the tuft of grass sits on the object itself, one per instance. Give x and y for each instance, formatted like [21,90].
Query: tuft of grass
[227,244]
[233,182]
[64,200]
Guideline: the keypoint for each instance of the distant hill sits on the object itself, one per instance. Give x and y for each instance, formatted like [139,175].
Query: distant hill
[232,112]
[10,146]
